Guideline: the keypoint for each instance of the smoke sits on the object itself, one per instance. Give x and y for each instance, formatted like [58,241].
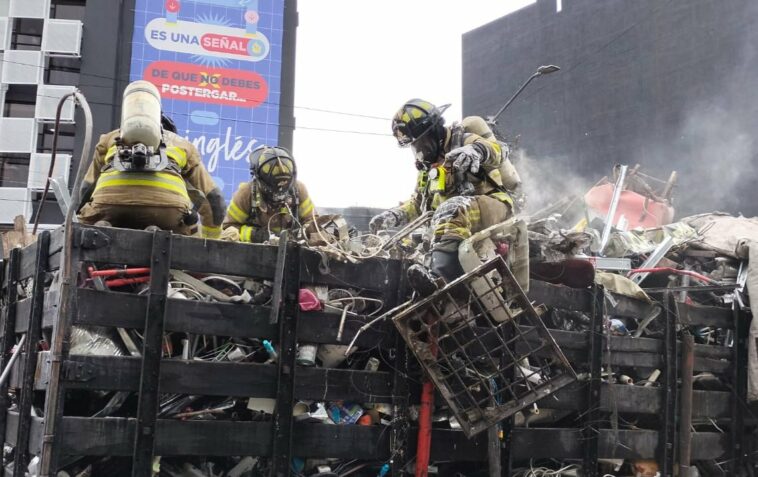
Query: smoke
[546,180]
[719,157]
[715,148]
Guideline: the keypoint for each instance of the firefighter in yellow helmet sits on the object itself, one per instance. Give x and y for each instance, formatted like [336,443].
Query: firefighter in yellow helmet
[459,179]
[133,185]
[272,201]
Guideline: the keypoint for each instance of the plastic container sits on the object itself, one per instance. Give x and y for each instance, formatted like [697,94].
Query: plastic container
[308,300]
[306,354]
[141,115]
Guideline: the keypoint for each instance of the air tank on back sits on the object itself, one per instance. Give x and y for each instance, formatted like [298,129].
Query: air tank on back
[508,173]
[141,114]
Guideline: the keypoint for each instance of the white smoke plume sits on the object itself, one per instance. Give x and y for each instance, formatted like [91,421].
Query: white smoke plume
[716,145]
[546,180]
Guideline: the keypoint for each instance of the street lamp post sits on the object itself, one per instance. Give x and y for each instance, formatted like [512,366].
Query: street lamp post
[541,71]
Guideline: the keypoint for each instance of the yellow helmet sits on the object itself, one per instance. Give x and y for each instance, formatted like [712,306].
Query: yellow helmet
[273,168]
[416,118]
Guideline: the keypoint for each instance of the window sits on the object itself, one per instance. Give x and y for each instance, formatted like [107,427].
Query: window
[68,10]
[65,139]
[14,170]
[27,34]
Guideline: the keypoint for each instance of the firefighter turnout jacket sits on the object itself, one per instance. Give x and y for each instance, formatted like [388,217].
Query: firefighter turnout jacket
[457,216]
[182,185]
[255,219]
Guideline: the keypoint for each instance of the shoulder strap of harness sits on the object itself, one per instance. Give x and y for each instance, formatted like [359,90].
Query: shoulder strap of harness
[253,202]
[457,135]
[457,140]
[296,201]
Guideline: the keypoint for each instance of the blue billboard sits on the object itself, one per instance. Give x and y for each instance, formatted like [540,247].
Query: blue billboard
[217,65]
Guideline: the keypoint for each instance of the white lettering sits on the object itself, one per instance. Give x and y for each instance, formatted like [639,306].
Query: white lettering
[216,149]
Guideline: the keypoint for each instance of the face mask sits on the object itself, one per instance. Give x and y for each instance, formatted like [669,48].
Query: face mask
[426,149]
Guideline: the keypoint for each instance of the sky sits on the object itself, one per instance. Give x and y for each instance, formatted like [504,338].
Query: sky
[367,59]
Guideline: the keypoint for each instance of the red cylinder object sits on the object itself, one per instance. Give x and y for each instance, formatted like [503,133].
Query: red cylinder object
[120,282]
[638,210]
[113,272]
[424,444]
[365,420]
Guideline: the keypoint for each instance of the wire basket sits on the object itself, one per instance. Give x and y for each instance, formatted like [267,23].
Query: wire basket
[484,346]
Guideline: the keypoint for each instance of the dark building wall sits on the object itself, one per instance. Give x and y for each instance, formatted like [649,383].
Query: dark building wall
[667,84]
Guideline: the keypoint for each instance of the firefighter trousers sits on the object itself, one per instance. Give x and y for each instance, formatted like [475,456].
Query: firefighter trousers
[136,216]
[459,217]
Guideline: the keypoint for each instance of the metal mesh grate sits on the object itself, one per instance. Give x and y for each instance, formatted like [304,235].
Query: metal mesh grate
[486,350]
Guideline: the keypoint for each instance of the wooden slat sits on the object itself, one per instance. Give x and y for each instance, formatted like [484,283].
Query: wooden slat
[29,254]
[692,314]
[342,384]
[223,379]
[23,309]
[28,259]
[637,444]
[257,380]
[123,310]
[319,327]
[113,436]
[132,247]
[372,274]
[222,438]
[559,296]
[636,399]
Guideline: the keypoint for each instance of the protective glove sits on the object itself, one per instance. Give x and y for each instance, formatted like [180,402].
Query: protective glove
[465,159]
[385,220]
[230,234]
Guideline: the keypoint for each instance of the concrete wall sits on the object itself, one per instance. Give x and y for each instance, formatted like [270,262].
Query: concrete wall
[668,84]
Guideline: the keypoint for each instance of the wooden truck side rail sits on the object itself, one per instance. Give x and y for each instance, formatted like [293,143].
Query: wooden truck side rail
[289,383]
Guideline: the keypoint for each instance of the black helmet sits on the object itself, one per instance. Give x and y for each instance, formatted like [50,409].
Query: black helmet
[415,119]
[167,123]
[273,168]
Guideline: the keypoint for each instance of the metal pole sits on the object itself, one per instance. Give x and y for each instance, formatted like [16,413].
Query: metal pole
[59,344]
[612,209]
[52,159]
[14,356]
[493,451]
[542,70]
[493,119]
[685,411]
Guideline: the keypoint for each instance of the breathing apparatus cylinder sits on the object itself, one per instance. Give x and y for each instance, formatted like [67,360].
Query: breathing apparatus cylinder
[508,174]
[141,115]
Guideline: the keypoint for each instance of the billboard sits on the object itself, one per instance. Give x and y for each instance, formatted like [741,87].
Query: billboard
[217,65]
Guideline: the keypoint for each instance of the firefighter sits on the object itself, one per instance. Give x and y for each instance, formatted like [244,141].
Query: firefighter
[459,179]
[132,185]
[273,200]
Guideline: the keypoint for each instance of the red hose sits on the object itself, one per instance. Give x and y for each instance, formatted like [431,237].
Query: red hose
[674,270]
[113,272]
[120,282]
[424,441]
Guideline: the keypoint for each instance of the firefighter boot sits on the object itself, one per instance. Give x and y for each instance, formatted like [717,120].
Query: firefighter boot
[445,267]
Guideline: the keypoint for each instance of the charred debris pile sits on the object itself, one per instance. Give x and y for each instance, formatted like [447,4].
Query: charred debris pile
[597,336]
